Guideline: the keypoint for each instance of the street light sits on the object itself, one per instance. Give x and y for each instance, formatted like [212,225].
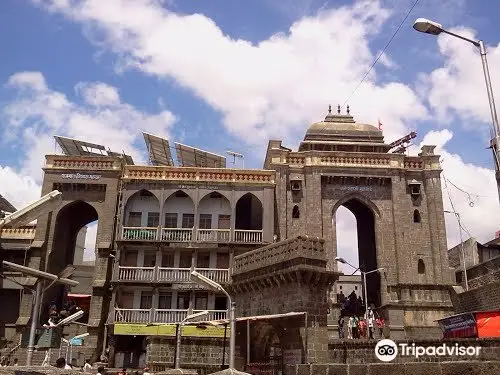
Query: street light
[179,335]
[41,275]
[457,215]
[343,261]
[426,26]
[70,342]
[216,287]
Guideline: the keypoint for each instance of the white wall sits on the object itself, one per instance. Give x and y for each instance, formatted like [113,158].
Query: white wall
[178,205]
[215,207]
[137,203]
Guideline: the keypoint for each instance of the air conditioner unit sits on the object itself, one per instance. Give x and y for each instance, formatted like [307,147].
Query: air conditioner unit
[295,185]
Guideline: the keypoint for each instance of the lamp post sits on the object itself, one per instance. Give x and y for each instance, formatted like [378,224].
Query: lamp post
[457,215]
[430,27]
[216,287]
[70,342]
[41,276]
[343,261]
[179,336]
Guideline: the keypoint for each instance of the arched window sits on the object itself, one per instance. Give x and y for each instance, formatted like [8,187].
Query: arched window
[421,267]
[295,212]
[416,216]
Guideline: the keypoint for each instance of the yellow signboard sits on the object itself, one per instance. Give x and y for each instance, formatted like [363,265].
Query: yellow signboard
[169,330]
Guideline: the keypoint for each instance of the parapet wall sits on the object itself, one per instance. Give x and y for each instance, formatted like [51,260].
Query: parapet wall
[430,368]
[363,351]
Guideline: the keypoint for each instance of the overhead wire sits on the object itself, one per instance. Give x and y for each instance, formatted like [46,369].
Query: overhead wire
[379,56]
[381,52]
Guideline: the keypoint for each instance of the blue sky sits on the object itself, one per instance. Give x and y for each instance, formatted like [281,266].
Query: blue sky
[225,75]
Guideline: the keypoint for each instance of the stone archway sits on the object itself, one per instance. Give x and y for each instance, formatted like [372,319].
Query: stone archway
[69,221]
[366,214]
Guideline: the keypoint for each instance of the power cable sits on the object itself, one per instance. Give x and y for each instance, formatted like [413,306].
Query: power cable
[382,52]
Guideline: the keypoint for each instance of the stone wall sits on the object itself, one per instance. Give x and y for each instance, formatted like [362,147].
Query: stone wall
[482,298]
[204,354]
[363,351]
[434,368]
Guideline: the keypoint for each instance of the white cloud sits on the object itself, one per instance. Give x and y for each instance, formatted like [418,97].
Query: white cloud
[275,88]
[37,113]
[270,89]
[459,87]
[18,189]
[473,193]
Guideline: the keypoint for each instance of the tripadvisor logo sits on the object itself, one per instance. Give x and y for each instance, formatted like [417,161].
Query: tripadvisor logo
[387,350]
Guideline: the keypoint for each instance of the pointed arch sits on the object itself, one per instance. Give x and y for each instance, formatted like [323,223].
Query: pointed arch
[214,210]
[358,197]
[142,209]
[421,267]
[295,212]
[249,213]
[178,210]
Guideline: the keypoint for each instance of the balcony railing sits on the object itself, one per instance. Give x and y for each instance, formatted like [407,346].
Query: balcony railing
[248,236]
[140,233]
[214,235]
[173,275]
[137,273]
[169,274]
[162,315]
[133,315]
[177,234]
[216,274]
[191,235]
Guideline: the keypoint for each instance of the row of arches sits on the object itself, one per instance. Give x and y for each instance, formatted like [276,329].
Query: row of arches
[214,210]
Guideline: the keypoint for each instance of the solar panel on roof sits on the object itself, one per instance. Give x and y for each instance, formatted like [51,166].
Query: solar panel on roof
[188,156]
[159,150]
[76,147]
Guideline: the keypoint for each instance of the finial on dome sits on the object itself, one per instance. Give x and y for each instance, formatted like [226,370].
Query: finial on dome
[330,109]
[348,110]
[338,109]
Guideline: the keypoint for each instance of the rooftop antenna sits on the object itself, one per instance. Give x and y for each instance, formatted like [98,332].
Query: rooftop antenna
[234,155]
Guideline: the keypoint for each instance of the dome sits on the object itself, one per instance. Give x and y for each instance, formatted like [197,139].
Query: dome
[343,128]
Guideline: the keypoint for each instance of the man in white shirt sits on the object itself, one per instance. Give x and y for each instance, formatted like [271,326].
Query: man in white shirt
[371,319]
[87,367]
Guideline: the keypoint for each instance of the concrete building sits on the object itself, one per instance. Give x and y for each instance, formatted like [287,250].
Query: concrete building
[238,226]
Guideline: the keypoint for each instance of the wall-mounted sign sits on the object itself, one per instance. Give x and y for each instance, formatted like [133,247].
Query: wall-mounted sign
[356,188]
[80,176]
[207,187]
[169,330]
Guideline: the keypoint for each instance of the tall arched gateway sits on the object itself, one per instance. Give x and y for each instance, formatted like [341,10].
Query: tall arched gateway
[344,163]
[90,191]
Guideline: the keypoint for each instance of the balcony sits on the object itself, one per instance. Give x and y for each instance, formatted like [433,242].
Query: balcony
[162,315]
[191,235]
[169,274]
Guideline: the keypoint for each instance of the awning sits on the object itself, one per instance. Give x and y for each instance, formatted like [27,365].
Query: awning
[74,295]
[247,318]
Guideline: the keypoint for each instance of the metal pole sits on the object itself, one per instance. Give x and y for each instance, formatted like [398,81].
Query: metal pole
[365,291]
[34,322]
[178,346]
[70,355]
[248,342]
[496,128]
[463,252]
[232,333]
